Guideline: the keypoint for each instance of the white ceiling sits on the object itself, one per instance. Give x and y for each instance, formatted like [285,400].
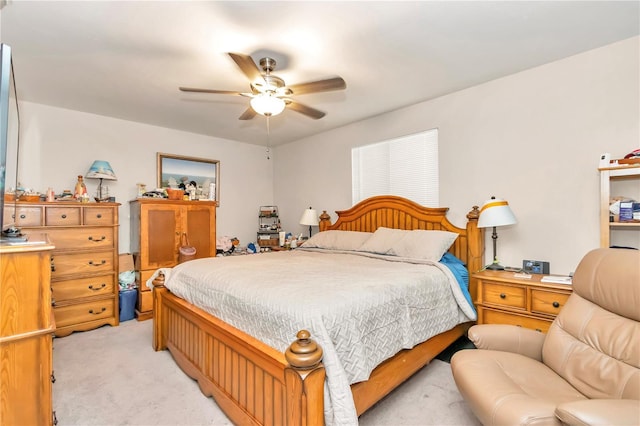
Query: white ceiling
[127,59]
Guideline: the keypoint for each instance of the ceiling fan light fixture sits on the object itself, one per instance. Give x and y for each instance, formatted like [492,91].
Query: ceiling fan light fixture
[267,104]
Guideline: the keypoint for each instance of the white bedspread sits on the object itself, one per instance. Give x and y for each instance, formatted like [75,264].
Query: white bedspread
[361,308]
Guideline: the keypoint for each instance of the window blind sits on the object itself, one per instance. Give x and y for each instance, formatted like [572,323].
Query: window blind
[406,166]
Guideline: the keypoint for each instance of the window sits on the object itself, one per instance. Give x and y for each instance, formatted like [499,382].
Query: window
[406,166]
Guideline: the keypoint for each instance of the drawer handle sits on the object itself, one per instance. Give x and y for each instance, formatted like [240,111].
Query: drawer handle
[53,302]
[97,313]
[53,378]
[91,287]
[102,262]
[99,216]
[503,296]
[64,216]
[53,265]
[23,216]
[556,304]
[97,240]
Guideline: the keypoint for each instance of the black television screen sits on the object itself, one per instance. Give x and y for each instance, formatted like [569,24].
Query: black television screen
[9,138]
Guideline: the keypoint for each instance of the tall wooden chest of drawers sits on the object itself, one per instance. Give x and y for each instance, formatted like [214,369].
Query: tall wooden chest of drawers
[26,333]
[84,264]
[156,228]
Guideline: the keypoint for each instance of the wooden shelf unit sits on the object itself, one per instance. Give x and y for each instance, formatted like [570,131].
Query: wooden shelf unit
[625,172]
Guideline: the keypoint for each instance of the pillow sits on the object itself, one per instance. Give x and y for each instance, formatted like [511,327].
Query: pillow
[382,240]
[338,240]
[423,244]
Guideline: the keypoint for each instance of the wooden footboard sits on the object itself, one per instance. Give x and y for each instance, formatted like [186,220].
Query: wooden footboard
[251,382]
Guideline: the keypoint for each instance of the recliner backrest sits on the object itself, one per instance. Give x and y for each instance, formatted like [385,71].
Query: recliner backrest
[594,343]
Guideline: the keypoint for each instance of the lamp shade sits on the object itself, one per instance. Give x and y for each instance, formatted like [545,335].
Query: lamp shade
[267,104]
[101,170]
[309,217]
[496,212]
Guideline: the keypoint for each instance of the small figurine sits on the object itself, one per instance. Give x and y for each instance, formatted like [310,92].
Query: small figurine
[80,189]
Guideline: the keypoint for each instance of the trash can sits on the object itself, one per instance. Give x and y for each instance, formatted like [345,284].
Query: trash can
[128,300]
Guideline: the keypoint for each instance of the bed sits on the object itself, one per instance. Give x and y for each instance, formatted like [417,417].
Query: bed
[254,383]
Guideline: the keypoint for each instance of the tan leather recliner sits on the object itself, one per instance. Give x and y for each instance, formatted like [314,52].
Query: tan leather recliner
[584,371]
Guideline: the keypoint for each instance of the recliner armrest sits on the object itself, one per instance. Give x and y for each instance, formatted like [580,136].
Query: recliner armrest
[599,412]
[508,338]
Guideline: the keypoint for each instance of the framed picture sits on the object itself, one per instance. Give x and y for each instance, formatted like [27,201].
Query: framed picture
[178,171]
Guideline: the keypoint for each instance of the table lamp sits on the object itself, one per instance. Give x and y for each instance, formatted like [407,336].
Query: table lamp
[101,170]
[309,217]
[495,212]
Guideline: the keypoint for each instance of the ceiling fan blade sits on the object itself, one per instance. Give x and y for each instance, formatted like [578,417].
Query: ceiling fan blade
[248,114]
[220,92]
[306,110]
[336,83]
[248,67]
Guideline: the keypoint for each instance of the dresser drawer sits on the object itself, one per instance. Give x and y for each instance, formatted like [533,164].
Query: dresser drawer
[547,302]
[84,312]
[23,216]
[82,238]
[504,295]
[81,263]
[83,287]
[490,316]
[98,216]
[62,216]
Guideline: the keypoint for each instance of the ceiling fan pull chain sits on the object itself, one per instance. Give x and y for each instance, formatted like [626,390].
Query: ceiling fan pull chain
[268,139]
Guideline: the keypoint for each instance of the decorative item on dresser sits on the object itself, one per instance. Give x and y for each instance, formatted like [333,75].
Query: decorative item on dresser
[101,170]
[505,299]
[84,264]
[26,331]
[156,229]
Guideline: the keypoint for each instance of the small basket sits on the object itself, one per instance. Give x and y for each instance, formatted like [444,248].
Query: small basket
[30,197]
[175,194]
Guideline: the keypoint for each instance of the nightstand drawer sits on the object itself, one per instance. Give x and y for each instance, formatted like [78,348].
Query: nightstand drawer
[490,316]
[504,295]
[547,302]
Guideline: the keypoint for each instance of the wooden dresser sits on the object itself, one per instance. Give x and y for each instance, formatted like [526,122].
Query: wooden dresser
[84,264]
[156,228]
[26,333]
[505,299]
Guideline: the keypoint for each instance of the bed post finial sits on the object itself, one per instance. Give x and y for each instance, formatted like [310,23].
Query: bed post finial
[474,214]
[304,353]
[325,221]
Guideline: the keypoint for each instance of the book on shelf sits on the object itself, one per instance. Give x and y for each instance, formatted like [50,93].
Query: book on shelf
[558,279]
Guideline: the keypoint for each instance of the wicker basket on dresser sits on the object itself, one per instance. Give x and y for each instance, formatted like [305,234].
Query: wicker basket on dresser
[84,264]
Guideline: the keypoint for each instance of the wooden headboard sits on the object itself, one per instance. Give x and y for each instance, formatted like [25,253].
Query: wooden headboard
[391,211]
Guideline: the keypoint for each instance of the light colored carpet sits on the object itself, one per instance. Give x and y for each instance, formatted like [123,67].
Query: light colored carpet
[109,376]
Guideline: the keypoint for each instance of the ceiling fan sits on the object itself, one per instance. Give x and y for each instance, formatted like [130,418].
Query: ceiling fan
[269,93]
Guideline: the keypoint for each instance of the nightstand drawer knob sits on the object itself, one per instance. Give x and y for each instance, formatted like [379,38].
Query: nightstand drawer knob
[503,296]
[64,216]
[556,304]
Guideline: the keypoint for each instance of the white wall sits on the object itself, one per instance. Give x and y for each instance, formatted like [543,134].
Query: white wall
[533,138]
[59,144]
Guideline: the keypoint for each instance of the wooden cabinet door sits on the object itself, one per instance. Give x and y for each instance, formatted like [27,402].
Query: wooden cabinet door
[200,226]
[159,235]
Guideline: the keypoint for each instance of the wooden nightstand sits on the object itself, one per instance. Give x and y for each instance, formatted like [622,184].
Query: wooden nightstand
[505,299]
